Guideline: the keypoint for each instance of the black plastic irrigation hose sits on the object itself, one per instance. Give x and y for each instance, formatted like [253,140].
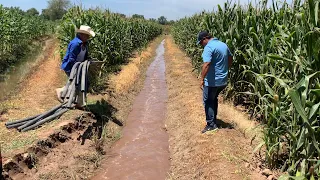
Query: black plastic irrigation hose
[32,121]
[22,120]
[48,119]
[75,87]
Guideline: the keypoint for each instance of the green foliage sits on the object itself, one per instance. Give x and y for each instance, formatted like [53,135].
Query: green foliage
[56,9]
[275,73]
[32,12]
[162,20]
[16,32]
[116,37]
[137,16]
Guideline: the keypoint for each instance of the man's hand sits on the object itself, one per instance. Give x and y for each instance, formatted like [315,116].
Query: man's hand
[204,72]
[202,84]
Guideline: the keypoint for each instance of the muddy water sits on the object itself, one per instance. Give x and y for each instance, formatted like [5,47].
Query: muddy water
[143,150]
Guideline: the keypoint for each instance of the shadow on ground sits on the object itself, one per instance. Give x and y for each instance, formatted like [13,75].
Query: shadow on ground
[224,125]
[103,112]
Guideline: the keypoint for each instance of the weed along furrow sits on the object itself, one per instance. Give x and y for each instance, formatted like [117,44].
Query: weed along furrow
[142,151]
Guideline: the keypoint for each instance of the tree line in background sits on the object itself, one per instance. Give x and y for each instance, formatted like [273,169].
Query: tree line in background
[54,11]
[57,8]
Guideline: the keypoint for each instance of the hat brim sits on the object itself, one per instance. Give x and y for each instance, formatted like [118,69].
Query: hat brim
[90,33]
[198,42]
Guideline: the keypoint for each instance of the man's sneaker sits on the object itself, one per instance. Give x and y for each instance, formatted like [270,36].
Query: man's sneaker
[209,128]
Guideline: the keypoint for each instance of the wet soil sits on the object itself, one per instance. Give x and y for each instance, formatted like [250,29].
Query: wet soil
[142,152]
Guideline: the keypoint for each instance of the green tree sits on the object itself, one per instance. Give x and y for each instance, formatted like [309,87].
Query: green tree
[121,15]
[138,16]
[162,20]
[153,20]
[56,9]
[32,12]
[171,22]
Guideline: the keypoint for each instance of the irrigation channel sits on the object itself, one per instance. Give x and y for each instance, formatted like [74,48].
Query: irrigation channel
[143,150]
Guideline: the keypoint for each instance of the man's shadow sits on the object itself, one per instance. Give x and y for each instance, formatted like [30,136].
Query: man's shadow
[224,125]
[103,112]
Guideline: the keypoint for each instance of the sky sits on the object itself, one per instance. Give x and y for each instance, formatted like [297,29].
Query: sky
[171,9]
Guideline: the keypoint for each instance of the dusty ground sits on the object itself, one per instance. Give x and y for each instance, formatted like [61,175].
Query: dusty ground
[73,146]
[36,96]
[224,154]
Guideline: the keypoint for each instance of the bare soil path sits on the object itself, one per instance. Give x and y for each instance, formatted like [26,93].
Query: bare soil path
[36,95]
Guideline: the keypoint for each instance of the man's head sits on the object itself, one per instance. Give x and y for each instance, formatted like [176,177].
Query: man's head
[84,37]
[85,32]
[203,38]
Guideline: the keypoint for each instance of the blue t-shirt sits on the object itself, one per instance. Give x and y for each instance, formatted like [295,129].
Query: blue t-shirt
[217,53]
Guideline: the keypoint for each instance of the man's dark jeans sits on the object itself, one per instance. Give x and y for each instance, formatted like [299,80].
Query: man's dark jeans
[210,100]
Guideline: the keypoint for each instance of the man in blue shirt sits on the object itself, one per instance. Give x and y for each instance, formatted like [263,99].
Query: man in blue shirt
[77,51]
[217,60]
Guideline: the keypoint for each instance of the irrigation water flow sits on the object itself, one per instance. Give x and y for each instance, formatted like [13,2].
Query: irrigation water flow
[143,150]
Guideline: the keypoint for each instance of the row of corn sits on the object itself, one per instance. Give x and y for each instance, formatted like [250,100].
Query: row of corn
[275,73]
[16,32]
[116,37]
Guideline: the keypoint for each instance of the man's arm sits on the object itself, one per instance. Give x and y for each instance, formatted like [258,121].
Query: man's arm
[73,53]
[207,56]
[205,69]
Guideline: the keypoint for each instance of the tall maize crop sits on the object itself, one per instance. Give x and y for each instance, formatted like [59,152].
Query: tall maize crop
[275,73]
[116,37]
[16,32]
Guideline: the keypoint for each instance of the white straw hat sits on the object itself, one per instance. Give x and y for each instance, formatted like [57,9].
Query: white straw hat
[86,30]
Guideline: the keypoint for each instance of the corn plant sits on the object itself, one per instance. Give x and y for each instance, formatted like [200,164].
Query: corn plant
[275,73]
[116,37]
[16,32]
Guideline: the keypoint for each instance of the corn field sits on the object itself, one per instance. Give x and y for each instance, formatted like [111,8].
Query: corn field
[275,73]
[17,32]
[116,37]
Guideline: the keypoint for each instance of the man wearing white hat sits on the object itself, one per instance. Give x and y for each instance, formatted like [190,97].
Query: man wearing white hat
[77,51]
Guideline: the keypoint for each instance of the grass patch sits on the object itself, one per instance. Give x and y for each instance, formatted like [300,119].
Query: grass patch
[20,142]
